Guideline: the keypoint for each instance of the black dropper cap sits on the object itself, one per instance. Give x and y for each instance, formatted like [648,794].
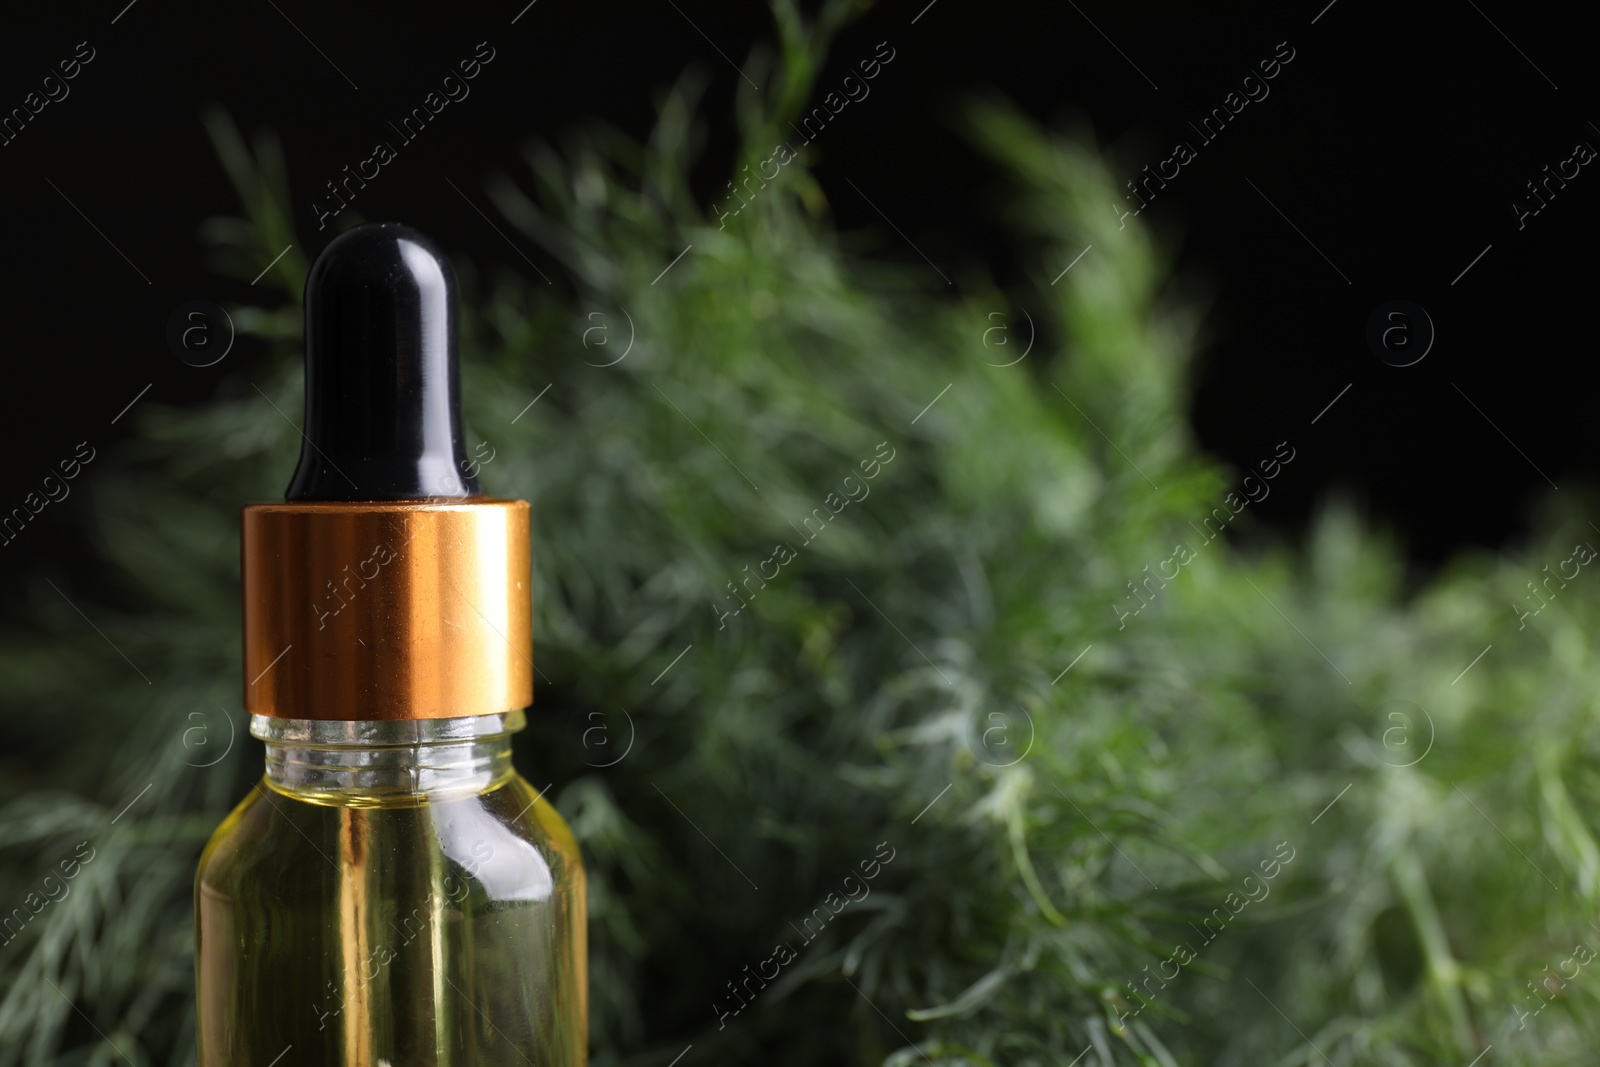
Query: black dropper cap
[383,415]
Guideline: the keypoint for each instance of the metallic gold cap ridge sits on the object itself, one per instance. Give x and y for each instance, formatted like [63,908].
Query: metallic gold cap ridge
[387,610]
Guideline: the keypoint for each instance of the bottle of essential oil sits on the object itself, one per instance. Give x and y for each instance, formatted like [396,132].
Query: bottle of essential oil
[392,893]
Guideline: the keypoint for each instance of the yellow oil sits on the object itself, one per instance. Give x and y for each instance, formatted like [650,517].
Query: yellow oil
[370,930]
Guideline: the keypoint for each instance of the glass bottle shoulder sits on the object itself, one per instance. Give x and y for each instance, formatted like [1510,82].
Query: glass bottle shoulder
[506,842]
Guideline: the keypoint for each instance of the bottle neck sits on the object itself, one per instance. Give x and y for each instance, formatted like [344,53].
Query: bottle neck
[387,763]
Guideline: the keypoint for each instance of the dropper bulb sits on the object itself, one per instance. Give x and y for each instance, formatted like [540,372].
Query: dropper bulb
[383,415]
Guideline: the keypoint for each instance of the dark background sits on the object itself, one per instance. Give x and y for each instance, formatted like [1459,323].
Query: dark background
[1395,142]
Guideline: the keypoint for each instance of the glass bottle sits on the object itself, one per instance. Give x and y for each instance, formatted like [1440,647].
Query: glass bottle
[391,893]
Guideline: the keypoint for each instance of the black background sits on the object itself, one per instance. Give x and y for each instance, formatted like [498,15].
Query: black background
[1395,142]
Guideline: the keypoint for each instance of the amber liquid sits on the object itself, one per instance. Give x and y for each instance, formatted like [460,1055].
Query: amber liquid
[358,931]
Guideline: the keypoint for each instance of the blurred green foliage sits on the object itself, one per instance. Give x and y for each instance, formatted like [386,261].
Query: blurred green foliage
[1057,834]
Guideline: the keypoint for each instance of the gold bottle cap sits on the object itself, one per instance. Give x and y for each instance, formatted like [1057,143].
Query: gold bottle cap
[387,610]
